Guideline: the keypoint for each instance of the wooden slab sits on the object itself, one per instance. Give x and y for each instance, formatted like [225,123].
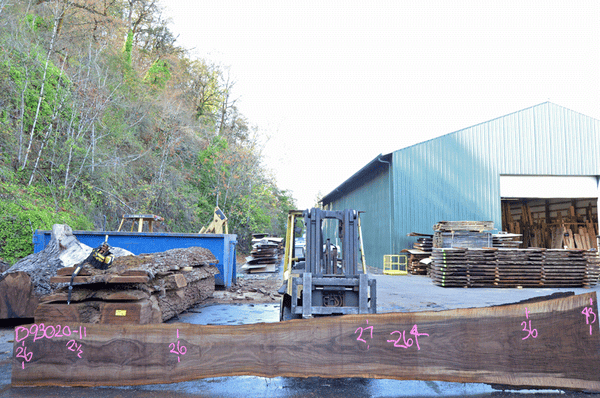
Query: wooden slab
[141,312]
[17,297]
[107,278]
[552,343]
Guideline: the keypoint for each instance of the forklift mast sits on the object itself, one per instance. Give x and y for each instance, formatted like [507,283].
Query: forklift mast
[322,255]
[329,279]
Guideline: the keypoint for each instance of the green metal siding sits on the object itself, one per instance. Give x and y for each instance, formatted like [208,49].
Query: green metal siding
[457,176]
[373,197]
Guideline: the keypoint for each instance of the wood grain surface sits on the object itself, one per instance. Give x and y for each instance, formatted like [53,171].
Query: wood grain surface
[552,343]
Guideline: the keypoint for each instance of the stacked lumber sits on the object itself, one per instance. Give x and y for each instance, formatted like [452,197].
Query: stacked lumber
[470,345]
[519,267]
[264,255]
[566,229]
[505,239]
[419,255]
[449,267]
[475,226]
[593,269]
[418,261]
[149,288]
[533,267]
[470,234]
[564,268]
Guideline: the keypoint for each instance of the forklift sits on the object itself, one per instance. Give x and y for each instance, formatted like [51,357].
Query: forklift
[328,277]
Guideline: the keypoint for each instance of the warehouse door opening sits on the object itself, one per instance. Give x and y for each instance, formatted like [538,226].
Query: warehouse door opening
[551,212]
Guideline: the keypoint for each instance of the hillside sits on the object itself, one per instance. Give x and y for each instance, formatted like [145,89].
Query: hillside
[103,114]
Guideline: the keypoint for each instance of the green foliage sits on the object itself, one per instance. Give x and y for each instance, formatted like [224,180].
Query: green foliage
[158,74]
[26,70]
[22,211]
[109,142]
[35,23]
[128,47]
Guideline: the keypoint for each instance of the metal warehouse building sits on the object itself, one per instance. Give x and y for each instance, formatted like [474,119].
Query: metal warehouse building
[547,156]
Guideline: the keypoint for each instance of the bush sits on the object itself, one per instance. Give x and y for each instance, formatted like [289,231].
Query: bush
[22,211]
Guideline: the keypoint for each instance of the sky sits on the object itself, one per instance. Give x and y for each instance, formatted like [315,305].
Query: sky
[332,84]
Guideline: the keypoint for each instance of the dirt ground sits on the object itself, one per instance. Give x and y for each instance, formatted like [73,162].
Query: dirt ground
[252,288]
[255,288]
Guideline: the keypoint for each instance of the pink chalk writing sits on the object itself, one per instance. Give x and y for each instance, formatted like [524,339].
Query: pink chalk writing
[407,343]
[73,346]
[588,312]
[360,338]
[530,332]
[21,352]
[178,349]
[42,331]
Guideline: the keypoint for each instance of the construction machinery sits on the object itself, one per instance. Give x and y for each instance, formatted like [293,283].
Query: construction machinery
[218,225]
[331,278]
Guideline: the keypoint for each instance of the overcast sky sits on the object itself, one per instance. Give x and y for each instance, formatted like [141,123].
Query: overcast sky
[336,83]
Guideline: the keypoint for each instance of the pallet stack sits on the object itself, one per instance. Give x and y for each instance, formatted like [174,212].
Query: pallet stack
[533,267]
[144,289]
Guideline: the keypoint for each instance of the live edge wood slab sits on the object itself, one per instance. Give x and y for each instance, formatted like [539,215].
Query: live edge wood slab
[551,343]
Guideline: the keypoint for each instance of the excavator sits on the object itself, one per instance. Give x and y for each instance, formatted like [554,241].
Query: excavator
[327,277]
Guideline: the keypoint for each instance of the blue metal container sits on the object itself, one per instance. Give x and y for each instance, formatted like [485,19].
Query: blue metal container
[222,246]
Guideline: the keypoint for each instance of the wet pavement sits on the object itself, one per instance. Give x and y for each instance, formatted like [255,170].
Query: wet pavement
[395,294]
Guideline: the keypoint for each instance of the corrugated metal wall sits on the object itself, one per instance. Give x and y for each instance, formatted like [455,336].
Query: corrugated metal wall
[373,198]
[457,176]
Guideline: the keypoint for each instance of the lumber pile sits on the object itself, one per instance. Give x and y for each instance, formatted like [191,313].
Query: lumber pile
[418,260]
[149,288]
[505,239]
[471,234]
[558,348]
[533,267]
[571,228]
[22,285]
[264,255]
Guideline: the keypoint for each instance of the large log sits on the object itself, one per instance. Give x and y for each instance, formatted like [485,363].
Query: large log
[551,343]
[22,285]
[174,281]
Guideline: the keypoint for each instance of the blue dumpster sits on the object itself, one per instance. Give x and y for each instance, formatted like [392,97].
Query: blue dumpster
[222,246]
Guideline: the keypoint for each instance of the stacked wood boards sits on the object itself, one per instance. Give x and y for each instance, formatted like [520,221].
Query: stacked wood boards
[472,234]
[507,240]
[149,288]
[559,348]
[476,226]
[418,260]
[519,267]
[552,223]
[533,267]
[264,256]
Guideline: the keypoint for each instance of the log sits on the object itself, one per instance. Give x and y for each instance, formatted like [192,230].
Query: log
[17,296]
[171,287]
[548,343]
[22,285]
